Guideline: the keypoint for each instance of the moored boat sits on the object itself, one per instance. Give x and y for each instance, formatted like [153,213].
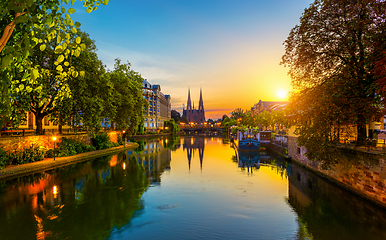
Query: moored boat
[247,141]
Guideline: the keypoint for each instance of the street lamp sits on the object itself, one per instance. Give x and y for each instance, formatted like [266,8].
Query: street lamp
[54,138]
[124,137]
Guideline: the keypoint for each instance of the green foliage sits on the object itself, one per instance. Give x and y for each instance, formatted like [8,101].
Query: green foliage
[237,113]
[4,158]
[126,102]
[120,140]
[26,27]
[70,147]
[101,141]
[90,93]
[175,115]
[27,155]
[332,54]
[172,126]
[141,129]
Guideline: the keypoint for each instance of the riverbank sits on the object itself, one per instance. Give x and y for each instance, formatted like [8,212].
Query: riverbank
[51,163]
[360,171]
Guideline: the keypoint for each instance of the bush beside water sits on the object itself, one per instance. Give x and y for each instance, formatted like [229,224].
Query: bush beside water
[27,155]
[66,147]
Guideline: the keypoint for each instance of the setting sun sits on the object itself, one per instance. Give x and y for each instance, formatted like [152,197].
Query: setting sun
[281,93]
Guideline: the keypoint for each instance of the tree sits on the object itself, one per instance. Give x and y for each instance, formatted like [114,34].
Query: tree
[47,91]
[172,126]
[334,51]
[30,13]
[265,119]
[127,103]
[237,113]
[21,26]
[184,119]
[89,93]
[175,115]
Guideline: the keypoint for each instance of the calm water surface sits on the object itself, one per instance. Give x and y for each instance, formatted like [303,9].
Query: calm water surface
[184,188]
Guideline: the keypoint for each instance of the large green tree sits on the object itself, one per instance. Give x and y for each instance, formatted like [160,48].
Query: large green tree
[126,104]
[51,59]
[333,51]
[21,26]
[90,92]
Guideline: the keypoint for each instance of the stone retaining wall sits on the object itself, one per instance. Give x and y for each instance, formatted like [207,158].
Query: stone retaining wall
[360,172]
[13,143]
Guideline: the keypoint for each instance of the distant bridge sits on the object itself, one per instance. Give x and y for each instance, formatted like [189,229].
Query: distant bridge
[201,130]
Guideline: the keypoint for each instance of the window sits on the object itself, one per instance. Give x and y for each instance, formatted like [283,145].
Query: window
[299,151]
[145,124]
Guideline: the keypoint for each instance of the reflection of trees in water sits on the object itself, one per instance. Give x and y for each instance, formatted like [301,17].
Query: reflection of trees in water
[155,156]
[76,204]
[170,142]
[194,143]
[328,212]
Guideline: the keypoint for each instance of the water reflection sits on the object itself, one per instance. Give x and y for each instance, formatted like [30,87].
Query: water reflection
[81,201]
[328,212]
[154,155]
[190,145]
[247,196]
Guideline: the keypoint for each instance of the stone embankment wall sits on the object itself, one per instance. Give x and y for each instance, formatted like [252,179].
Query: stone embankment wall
[360,172]
[14,142]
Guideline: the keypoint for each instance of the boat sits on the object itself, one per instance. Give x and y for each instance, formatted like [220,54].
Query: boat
[247,141]
[248,144]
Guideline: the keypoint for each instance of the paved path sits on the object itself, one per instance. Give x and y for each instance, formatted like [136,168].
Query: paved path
[50,163]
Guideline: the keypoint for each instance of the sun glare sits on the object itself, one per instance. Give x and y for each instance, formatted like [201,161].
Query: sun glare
[281,93]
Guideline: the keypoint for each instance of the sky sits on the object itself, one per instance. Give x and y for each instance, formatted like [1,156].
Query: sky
[231,49]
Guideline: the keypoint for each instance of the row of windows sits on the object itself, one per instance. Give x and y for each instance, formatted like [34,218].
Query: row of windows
[151,125]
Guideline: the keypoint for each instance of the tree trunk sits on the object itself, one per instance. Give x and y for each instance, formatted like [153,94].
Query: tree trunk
[60,126]
[39,123]
[361,134]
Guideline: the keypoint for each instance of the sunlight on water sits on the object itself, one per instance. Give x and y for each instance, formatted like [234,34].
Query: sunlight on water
[184,188]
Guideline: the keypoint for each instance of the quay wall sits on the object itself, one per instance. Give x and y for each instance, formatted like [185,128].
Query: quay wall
[19,142]
[360,172]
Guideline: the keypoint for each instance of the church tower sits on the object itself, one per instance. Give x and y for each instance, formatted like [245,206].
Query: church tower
[195,115]
[189,103]
[201,111]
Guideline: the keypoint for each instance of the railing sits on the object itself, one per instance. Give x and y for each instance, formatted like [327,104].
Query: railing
[378,145]
[16,132]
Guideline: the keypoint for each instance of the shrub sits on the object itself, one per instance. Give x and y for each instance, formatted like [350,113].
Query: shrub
[49,153]
[70,147]
[120,140]
[4,158]
[101,141]
[26,155]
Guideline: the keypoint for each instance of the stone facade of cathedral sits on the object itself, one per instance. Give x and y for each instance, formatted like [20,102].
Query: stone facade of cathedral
[196,116]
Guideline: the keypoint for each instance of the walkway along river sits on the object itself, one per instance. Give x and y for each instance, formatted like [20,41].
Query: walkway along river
[184,188]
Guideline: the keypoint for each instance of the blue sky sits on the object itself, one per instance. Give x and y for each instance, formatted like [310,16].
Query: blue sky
[229,48]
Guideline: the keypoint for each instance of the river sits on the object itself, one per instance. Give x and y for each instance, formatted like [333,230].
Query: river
[184,188]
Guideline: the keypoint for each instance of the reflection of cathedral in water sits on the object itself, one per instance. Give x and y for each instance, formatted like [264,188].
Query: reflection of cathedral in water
[191,144]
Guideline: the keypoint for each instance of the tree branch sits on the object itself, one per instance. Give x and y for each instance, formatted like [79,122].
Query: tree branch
[8,31]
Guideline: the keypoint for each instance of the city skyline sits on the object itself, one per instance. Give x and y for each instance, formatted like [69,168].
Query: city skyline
[230,49]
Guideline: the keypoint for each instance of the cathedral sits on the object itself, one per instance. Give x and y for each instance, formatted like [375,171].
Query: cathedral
[194,115]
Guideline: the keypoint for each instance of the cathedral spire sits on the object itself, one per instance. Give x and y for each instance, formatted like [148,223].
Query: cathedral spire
[201,102]
[189,104]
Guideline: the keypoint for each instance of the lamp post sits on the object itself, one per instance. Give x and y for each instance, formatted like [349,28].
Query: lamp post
[124,137]
[54,138]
